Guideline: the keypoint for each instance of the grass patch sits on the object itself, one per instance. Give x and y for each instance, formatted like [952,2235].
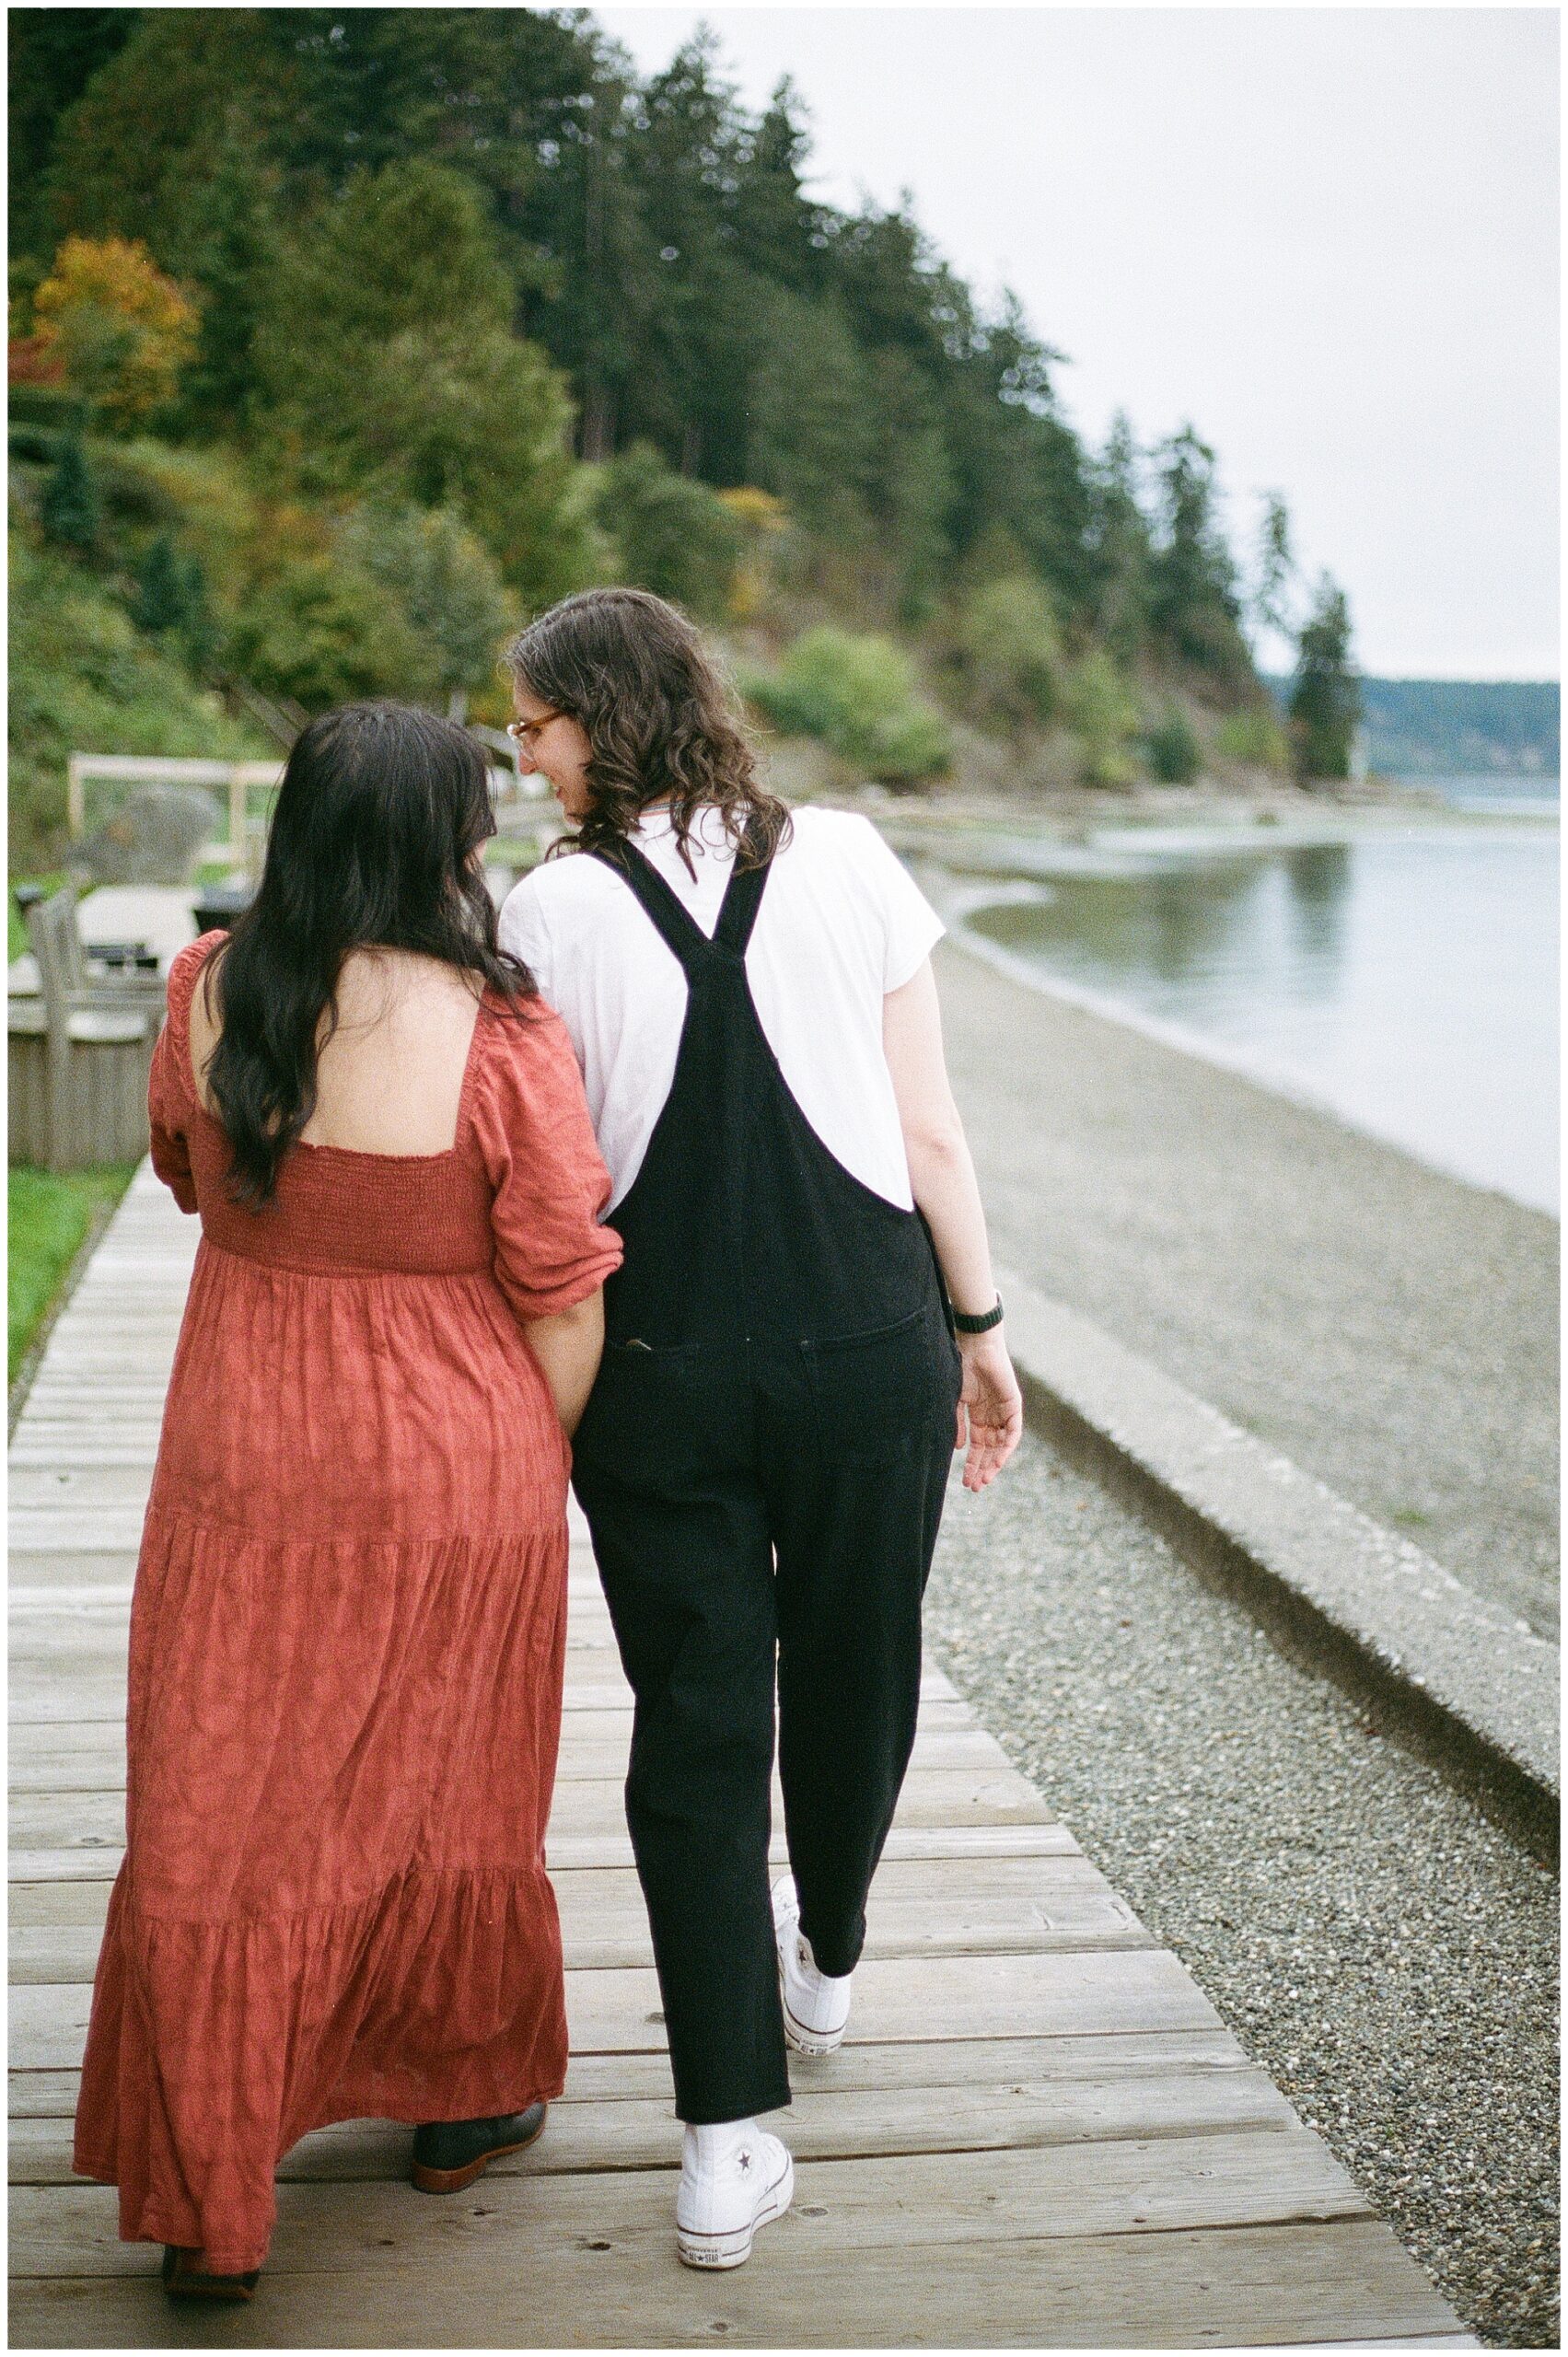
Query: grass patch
[47,1218]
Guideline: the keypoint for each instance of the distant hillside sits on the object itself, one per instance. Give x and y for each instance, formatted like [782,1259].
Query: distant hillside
[1458,728]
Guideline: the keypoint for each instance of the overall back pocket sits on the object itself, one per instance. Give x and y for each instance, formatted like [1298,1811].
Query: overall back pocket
[872,1393]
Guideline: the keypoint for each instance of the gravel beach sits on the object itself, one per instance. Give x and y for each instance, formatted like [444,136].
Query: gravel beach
[1392,1329]
[1375,1942]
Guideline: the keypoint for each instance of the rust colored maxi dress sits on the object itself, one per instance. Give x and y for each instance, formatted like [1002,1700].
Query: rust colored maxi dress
[347,1638]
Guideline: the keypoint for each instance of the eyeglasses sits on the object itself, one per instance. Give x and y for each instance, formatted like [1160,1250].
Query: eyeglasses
[523,732]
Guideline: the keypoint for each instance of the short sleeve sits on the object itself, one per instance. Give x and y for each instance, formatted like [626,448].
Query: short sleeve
[170,1086]
[911,927]
[524,929]
[531,1122]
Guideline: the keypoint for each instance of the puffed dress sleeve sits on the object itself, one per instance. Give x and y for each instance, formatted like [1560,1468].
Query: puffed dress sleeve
[169,1084]
[530,1124]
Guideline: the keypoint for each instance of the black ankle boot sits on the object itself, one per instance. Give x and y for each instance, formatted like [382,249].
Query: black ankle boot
[451,2153]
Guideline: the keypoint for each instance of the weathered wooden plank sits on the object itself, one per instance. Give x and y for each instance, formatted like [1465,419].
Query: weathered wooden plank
[67,1646]
[821,2124]
[1232,2177]
[100,1765]
[39,1696]
[604,1922]
[575,2289]
[895,1999]
[596,1850]
[936,1797]
[860,2067]
[101,1586]
[591,1724]
[917,1897]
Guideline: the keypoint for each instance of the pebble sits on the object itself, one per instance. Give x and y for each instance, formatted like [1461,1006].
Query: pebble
[1385,1952]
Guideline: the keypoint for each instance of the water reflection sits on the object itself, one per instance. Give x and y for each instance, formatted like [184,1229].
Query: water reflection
[1409,983]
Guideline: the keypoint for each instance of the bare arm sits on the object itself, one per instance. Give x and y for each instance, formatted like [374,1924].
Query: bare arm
[569,1347]
[943,1182]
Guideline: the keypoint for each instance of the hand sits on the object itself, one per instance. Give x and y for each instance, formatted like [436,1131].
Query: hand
[990,1407]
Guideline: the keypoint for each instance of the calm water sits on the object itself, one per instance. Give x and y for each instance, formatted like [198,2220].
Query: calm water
[1407,982]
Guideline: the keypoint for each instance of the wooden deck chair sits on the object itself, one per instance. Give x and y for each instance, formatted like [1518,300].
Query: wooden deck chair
[79,1053]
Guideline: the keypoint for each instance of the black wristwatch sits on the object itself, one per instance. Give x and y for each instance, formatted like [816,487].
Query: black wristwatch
[978,1325]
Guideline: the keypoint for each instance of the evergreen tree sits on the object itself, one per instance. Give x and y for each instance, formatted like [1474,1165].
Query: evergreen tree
[1118,542]
[780,233]
[910,486]
[811,439]
[53,55]
[1193,604]
[135,154]
[218,386]
[389,370]
[70,511]
[445,583]
[1273,566]
[375,206]
[170,600]
[158,603]
[702,341]
[591,299]
[1325,700]
[672,535]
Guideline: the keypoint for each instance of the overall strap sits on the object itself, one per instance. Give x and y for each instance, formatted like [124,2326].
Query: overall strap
[738,913]
[677,927]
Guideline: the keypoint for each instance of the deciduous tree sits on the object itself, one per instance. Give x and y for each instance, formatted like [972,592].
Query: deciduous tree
[122,327]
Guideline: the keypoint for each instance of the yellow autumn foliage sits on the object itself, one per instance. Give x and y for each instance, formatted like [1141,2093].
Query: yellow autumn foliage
[122,327]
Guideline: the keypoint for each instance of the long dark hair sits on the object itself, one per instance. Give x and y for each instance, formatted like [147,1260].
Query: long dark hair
[380,810]
[631,670]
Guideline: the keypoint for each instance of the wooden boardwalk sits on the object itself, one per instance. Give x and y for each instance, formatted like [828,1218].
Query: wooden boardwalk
[1038,2135]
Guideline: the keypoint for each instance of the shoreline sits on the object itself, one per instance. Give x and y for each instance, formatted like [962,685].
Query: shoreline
[1185,1041]
[965,863]
[1391,1330]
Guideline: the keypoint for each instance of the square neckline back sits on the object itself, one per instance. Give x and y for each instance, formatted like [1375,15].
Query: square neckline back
[312,1145]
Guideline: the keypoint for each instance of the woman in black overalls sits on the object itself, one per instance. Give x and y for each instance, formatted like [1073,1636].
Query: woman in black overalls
[762,1463]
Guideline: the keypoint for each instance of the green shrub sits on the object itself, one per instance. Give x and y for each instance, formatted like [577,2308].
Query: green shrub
[1009,652]
[674,535]
[858,694]
[203,500]
[1256,736]
[447,587]
[1172,749]
[324,633]
[1100,709]
[83,679]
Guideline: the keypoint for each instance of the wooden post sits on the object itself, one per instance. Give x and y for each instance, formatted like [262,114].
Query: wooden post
[76,816]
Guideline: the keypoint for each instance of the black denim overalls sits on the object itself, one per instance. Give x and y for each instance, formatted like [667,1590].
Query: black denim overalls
[762,1463]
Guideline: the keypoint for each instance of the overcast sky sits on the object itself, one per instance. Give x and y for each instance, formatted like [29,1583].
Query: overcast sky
[1327,237]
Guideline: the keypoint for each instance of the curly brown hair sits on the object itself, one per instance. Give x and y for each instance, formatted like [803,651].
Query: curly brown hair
[631,670]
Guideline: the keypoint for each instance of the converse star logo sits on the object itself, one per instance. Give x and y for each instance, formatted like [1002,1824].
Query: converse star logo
[743,2162]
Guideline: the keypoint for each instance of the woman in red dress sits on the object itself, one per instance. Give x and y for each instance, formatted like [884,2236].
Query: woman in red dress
[349,1618]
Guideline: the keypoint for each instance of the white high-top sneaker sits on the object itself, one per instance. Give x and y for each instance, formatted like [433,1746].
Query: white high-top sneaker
[816,2004]
[734,2178]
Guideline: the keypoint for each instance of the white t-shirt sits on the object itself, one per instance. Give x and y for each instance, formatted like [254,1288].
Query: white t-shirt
[840,923]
